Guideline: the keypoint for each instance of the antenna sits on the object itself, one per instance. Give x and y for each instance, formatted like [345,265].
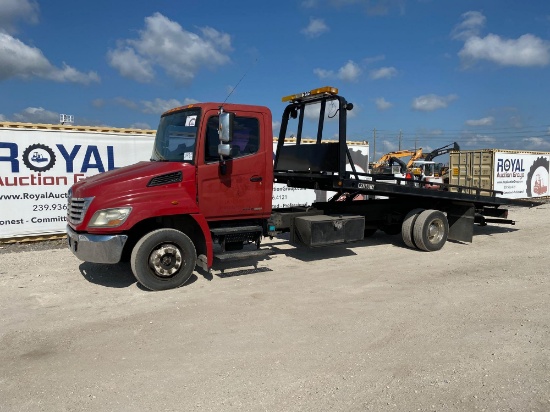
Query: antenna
[239,82]
[66,118]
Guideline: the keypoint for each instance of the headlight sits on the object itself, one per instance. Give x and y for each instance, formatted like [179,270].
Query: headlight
[110,217]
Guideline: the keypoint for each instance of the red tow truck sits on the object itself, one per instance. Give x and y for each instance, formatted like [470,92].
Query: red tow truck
[207,191]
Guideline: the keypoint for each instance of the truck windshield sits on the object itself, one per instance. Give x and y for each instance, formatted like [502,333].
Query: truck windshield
[176,137]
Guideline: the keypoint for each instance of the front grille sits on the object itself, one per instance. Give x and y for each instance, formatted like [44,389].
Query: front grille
[77,209]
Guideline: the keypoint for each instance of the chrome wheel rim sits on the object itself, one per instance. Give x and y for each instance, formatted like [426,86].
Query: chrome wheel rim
[166,260]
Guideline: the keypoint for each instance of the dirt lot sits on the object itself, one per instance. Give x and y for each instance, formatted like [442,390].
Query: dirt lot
[372,326]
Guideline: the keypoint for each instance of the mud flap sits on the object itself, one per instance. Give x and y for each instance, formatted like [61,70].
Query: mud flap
[461,222]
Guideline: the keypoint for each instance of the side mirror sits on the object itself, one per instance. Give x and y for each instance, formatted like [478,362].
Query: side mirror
[225,127]
[224,149]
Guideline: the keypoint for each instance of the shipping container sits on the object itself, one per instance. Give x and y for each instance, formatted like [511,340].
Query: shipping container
[516,174]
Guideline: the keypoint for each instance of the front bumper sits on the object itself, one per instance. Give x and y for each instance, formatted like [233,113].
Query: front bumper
[96,248]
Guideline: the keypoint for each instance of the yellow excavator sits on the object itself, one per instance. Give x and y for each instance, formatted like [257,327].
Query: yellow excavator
[425,169]
[385,163]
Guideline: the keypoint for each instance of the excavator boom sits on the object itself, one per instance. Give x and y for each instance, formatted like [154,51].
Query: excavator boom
[442,150]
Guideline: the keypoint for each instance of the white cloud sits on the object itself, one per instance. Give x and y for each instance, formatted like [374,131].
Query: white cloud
[431,102]
[159,106]
[486,121]
[471,25]
[516,121]
[374,59]
[525,51]
[130,65]
[19,60]
[383,73]
[13,10]
[139,125]
[36,115]
[315,28]
[537,143]
[156,106]
[2,118]
[388,146]
[382,104]
[98,102]
[129,104]
[188,100]
[70,74]
[478,140]
[323,74]
[348,72]
[314,110]
[180,53]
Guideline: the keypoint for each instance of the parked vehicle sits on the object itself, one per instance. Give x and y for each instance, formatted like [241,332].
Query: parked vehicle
[207,191]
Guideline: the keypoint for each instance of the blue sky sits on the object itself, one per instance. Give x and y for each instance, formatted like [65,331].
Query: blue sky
[430,71]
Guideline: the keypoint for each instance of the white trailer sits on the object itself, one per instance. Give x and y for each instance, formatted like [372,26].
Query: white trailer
[40,162]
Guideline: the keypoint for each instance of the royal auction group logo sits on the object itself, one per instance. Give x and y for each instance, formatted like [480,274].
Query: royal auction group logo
[38,157]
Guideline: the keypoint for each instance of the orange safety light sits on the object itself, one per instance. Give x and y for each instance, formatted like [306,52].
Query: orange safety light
[310,94]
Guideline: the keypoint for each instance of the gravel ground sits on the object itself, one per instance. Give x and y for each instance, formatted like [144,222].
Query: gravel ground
[368,326]
[34,246]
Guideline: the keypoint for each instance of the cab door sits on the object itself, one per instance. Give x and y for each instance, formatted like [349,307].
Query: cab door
[239,189]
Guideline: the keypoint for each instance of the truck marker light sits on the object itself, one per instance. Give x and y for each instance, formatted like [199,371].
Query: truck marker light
[175,202]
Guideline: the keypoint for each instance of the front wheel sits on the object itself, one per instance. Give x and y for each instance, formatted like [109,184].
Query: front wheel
[430,230]
[163,259]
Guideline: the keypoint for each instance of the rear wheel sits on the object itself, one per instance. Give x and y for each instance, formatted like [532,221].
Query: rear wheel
[407,227]
[430,230]
[163,259]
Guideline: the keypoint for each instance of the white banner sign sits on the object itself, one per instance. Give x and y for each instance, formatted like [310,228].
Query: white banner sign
[285,197]
[38,166]
[520,175]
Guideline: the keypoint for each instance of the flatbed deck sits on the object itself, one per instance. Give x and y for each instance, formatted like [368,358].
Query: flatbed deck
[378,185]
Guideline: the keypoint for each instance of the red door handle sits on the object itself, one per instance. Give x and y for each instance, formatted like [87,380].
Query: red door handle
[256,179]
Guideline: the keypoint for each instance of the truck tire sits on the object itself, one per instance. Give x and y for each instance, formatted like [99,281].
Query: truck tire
[163,259]
[430,230]
[407,228]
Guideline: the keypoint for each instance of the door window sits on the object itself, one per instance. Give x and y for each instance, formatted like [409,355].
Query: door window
[246,138]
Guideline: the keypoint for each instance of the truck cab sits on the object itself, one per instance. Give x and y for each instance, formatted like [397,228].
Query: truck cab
[187,195]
